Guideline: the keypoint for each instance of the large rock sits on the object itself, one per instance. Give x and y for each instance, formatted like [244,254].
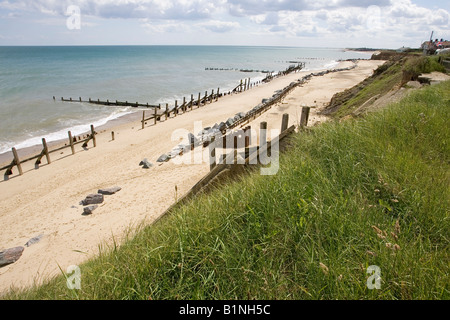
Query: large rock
[146,164]
[109,191]
[229,122]
[163,158]
[9,256]
[89,210]
[93,199]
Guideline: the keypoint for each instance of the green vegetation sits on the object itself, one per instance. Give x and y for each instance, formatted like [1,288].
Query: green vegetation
[393,74]
[371,191]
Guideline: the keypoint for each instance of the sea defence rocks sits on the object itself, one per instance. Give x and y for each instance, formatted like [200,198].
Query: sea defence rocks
[163,158]
[9,256]
[146,164]
[93,199]
[109,191]
[89,210]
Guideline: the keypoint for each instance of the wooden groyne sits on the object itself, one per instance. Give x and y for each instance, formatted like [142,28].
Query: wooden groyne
[17,162]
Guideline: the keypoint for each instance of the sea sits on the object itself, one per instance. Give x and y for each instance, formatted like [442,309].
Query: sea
[31,76]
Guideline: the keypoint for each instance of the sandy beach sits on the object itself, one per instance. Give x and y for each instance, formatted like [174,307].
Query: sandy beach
[45,201]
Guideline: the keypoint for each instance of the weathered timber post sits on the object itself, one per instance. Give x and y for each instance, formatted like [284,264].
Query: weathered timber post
[71,143]
[285,122]
[305,117]
[184,104]
[143,119]
[167,110]
[199,98]
[94,139]
[206,98]
[47,155]
[156,115]
[262,137]
[176,107]
[212,153]
[248,84]
[217,96]
[192,102]
[17,161]
[247,141]
[212,96]
[112,136]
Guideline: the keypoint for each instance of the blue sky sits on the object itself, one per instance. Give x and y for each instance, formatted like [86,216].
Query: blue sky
[318,23]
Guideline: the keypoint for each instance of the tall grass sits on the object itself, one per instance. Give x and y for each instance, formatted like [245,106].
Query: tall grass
[372,191]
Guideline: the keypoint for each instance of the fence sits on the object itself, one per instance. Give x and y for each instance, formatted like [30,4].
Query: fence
[46,152]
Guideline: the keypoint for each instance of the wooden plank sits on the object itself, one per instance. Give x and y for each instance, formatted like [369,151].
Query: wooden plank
[305,116]
[71,142]
[17,161]
[93,135]
[285,122]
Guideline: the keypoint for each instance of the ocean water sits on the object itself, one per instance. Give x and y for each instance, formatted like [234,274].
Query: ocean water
[31,76]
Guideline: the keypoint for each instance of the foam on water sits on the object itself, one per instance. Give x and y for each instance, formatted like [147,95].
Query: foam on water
[31,76]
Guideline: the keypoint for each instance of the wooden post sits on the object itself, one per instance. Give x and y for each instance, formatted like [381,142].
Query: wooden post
[248,84]
[212,155]
[176,107]
[192,102]
[217,96]
[240,86]
[285,122]
[93,135]
[198,102]
[247,141]
[262,133]
[245,85]
[80,99]
[156,115]
[305,117]
[167,110]
[143,119]
[71,143]
[206,97]
[112,136]
[17,161]
[47,155]
[212,96]
[184,104]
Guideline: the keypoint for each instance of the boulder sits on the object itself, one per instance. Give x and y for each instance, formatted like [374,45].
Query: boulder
[93,199]
[229,122]
[163,158]
[222,126]
[9,256]
[109,191]
[146,164]
[34,240]
[89,210]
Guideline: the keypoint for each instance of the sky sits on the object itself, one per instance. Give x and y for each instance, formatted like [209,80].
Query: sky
[297,23]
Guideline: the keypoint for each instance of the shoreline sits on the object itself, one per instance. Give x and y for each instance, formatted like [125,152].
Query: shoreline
[46,201]
[7,157]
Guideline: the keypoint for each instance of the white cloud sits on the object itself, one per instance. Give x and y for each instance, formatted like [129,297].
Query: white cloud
[220,26]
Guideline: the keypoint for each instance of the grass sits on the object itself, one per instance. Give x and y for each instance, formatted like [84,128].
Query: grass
[371,191]
[393,74]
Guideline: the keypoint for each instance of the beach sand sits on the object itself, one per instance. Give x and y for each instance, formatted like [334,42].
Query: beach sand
[46,200]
